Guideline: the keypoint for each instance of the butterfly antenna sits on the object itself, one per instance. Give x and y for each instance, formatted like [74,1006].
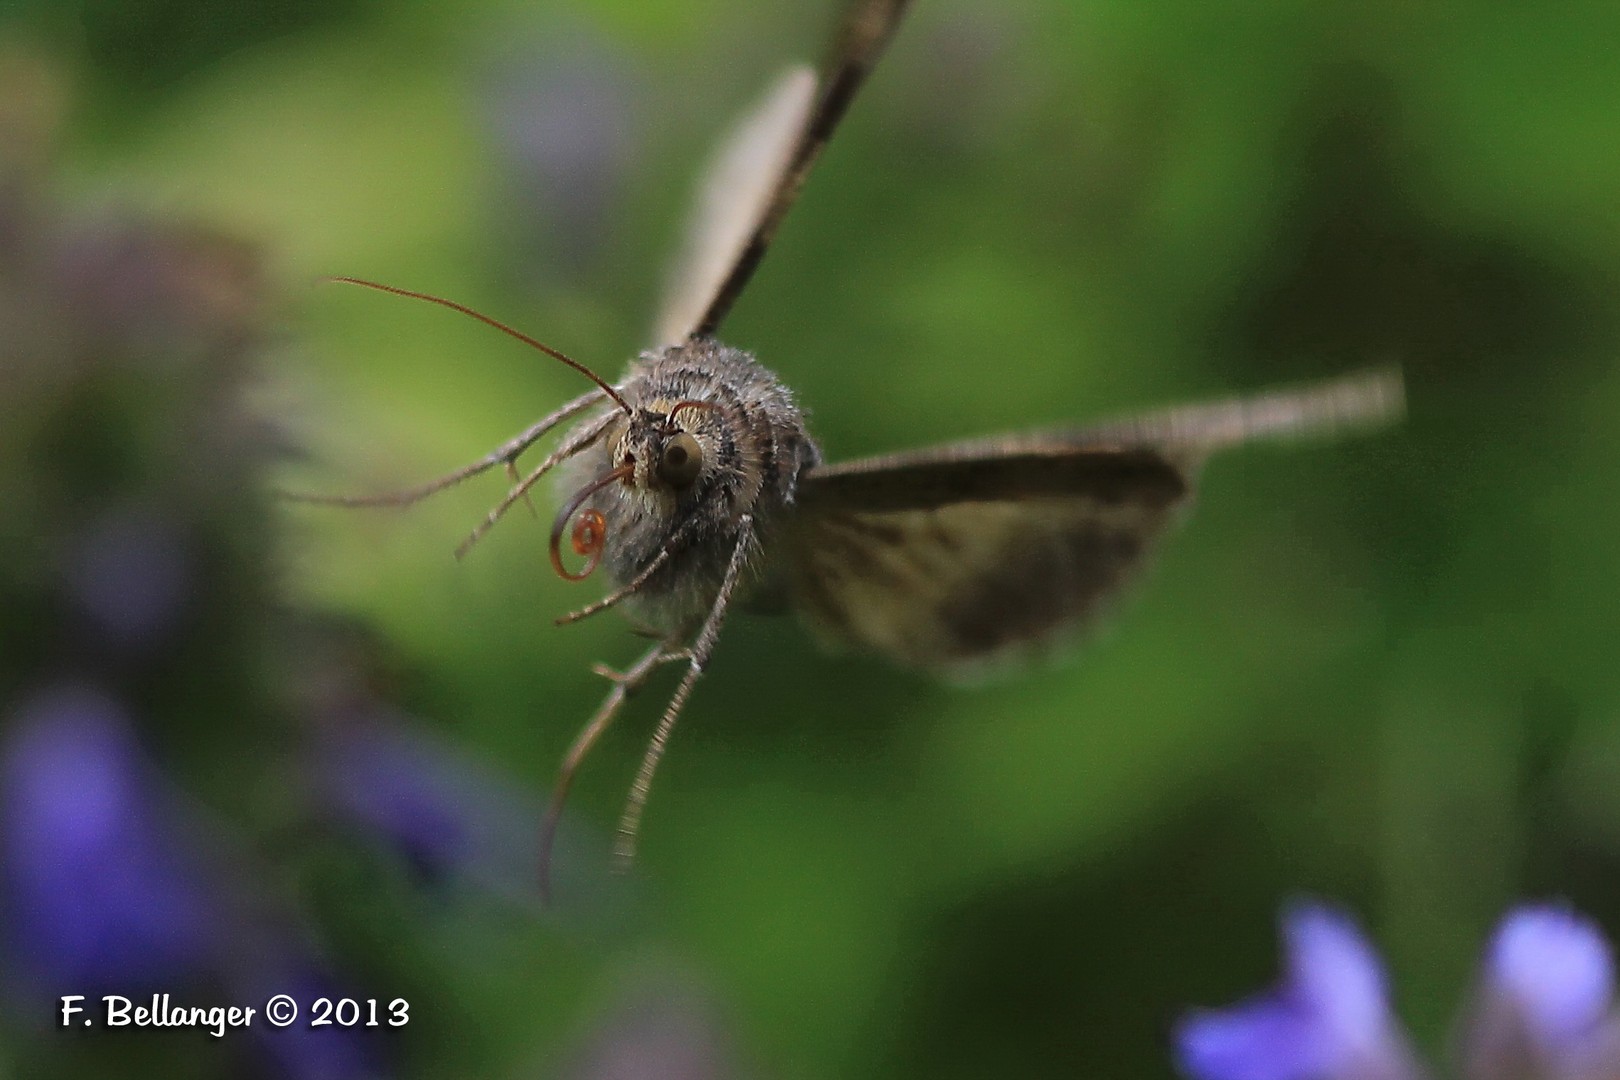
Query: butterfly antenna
[555,354]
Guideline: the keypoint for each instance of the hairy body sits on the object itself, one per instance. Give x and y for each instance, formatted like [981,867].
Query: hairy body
[752,448]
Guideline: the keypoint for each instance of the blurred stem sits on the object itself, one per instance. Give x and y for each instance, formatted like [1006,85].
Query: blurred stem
[1452,849]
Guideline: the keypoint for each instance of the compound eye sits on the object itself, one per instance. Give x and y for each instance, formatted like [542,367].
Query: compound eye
[681,461]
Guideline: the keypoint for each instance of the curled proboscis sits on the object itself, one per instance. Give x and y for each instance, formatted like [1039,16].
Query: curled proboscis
[589,534]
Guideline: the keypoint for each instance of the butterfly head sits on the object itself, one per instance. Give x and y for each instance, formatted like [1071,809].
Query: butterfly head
[665,447]
[657,458]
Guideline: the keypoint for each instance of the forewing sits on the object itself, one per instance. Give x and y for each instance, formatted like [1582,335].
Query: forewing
[952,557]
[735,192]
[768,159]
[888,562]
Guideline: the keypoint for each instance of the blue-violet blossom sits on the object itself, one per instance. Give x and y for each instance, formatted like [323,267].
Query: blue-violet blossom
[1543,1010]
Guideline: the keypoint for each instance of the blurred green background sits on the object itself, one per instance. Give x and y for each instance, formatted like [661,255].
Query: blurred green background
[1381,670]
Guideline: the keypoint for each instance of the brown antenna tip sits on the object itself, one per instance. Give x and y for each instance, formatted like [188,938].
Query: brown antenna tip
[555,354]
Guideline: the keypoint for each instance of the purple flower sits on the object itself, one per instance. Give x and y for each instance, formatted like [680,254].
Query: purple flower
[1543,1010]
[1328,1020]
[1555,969]
[450,819]
[300,1051]
[97,892]
[1545,1005]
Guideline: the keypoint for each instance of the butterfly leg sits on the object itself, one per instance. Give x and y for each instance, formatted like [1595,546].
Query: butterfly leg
[697,657]
[631,587]
[514,477]
[624,683]
[571,446]
[506,454]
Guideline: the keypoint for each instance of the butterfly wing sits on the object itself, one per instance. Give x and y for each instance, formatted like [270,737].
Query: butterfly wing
[953,557]
[962,579]
[736,190]
[756,177]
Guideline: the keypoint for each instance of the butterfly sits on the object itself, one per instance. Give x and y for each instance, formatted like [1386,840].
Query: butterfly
[694,484]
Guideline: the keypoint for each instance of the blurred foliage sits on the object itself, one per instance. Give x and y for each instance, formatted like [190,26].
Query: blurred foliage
[1375,670]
